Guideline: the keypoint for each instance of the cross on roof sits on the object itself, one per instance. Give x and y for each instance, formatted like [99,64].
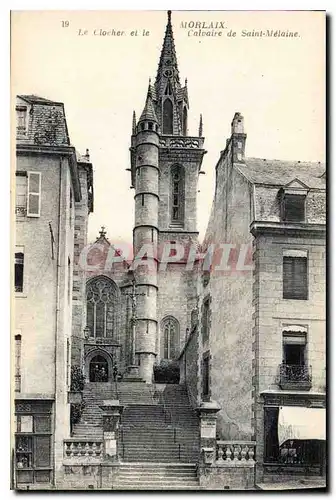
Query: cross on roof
[102,232]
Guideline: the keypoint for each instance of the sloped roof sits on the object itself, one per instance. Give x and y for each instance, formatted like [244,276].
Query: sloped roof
[148,111]
[34,99]
[280,172]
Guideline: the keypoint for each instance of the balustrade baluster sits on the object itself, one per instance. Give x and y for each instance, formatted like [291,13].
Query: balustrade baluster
[220,454]
[244,454]
[235,452]
[251,453]
[228,453]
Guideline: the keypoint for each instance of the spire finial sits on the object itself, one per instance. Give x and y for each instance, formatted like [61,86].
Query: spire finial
[200,129]
[149,92]
[186,82]
[102,232]
[169,16]
[134,123]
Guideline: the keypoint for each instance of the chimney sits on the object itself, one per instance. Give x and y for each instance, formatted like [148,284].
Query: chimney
[238,138]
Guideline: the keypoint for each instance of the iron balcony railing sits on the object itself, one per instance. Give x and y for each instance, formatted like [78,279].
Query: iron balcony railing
[296,375]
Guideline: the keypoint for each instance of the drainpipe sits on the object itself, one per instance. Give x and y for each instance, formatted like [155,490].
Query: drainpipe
[57,309]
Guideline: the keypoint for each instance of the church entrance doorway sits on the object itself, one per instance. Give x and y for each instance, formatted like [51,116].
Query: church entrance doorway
[98,369]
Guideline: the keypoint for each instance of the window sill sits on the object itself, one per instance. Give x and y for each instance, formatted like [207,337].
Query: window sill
[295,298]
[297,385]
[20,295]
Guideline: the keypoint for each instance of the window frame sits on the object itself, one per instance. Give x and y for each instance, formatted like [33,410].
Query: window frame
[34,193]
[21,208]
[285,199]
[206,379]
[173,337]
[19,251]
[206,318]
[21,130]
[289,293]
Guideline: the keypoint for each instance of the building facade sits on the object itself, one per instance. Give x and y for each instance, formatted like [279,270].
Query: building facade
[47,190]
[262,349]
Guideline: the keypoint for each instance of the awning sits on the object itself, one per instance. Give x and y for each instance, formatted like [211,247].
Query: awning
[301,423]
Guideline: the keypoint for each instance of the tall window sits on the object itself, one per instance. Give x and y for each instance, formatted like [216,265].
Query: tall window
[34,194]
[167,117]
[171,338]
[294,370]
[295,277]
[185,120]
[206,319]
[101,307]
[21,120]
[21,194]
[206,375]
[33,443]
[18,271]
[177,181]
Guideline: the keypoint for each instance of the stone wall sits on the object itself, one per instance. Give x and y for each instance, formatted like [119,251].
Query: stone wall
[230,290]
[234,477]
[78,291]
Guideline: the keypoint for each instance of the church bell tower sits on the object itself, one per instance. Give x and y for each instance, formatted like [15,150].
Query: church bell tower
[165,165]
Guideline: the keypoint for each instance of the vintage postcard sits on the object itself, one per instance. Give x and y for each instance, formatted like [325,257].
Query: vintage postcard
[168,276]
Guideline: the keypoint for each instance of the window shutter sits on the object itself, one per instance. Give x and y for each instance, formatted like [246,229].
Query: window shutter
[34,194]
[295,284]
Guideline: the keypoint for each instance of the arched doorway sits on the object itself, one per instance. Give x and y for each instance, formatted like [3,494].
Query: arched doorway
[98,369]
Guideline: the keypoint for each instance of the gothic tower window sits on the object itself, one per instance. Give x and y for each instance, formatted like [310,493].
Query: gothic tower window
[177,196]
[167,117]
[185,120]
[171,338]
[102,307]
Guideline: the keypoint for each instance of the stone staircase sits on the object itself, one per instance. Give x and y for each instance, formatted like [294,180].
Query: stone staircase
[158,433]
[140,476]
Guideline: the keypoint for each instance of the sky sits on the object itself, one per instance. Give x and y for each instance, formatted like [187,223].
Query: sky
[278,84]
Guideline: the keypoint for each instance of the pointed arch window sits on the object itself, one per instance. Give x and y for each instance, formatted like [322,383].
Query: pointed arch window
[185,120]
[177,195]
[101,307]
[171,338]
[167,117]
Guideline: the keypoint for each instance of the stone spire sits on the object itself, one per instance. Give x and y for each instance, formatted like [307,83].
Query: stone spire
[200,129]
[168,68]
[134,123]
[149,111]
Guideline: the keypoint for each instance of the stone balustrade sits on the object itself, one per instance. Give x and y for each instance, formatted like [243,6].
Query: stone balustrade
[82,450]
[181,142]
[235,452]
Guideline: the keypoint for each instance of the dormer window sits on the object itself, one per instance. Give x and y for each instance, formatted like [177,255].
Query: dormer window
[21,120]
[293,208]
[293,201]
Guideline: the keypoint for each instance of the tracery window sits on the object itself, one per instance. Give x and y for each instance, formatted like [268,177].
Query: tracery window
[177,182]
[101,307]
[171,337]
